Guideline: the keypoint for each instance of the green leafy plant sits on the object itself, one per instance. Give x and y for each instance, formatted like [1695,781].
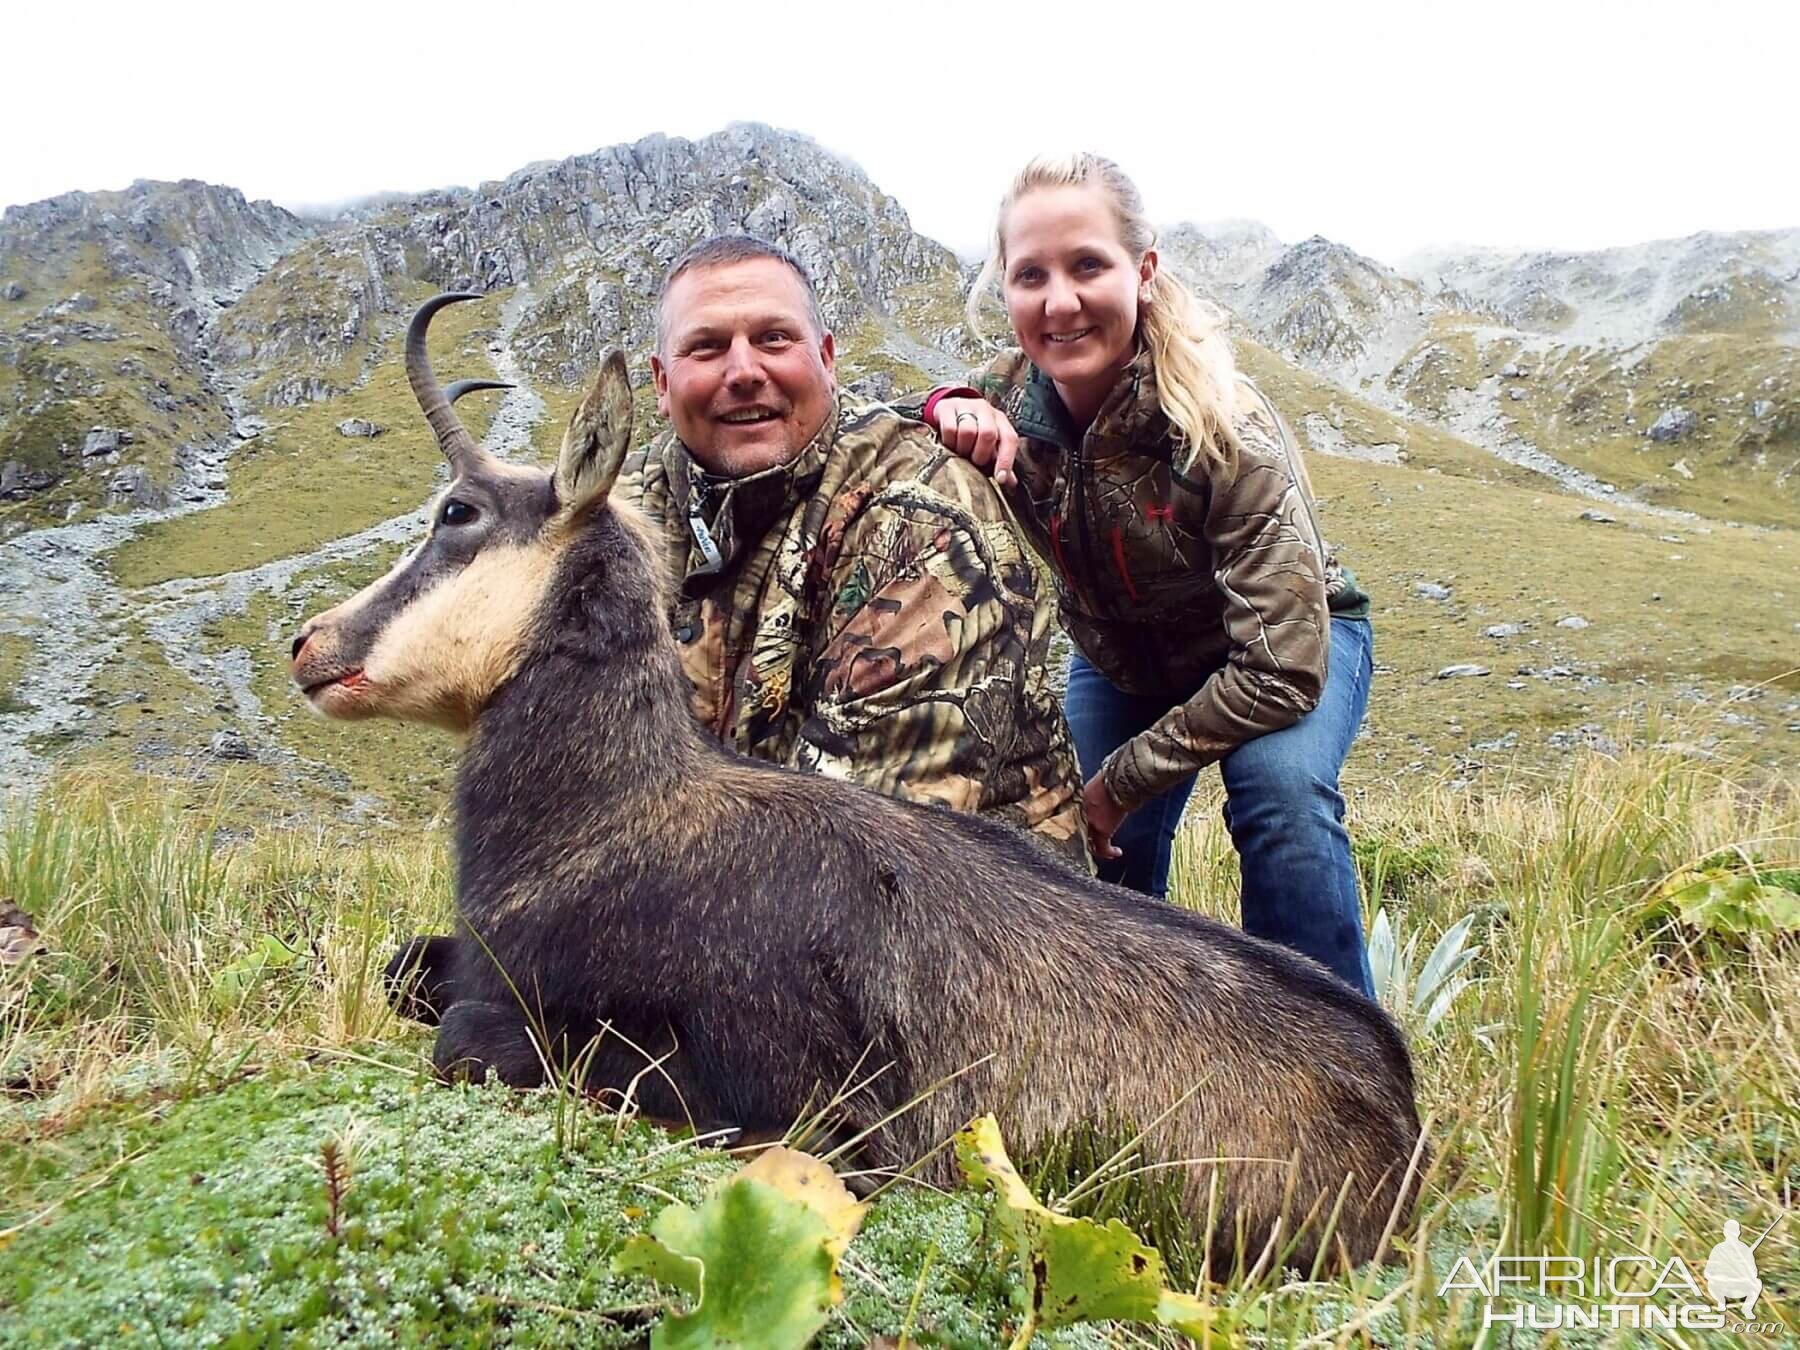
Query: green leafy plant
[1729,900]
[1076,1270]
[1421,1003]
[237,979]
[758,1259]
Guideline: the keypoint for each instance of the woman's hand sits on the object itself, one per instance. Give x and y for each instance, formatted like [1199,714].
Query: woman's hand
[1104,816]
[980,433]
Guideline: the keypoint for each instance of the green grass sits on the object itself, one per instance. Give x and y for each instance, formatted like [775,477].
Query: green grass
[1512,555]
[15,650]
[208,1020]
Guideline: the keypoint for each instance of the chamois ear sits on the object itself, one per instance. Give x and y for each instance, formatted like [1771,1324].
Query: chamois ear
[594,446]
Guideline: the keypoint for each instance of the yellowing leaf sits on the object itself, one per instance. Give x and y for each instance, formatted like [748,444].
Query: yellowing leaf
[1076,1270]
[758,1258]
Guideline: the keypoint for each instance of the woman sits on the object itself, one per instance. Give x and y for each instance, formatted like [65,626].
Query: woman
[1209,619]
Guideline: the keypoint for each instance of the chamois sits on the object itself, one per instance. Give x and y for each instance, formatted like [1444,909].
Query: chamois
[770,935]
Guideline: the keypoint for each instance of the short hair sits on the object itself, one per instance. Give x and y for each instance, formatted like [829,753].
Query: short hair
[722,250]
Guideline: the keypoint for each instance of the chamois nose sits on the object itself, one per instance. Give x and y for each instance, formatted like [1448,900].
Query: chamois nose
[300,643]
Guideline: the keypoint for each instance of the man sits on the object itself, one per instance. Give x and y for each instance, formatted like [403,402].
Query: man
[850,599]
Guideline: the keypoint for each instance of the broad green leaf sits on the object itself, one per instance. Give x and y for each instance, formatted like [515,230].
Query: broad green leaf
[1076,1270]
[1446,961]
[1733,904]
[758,1259]
[233,981]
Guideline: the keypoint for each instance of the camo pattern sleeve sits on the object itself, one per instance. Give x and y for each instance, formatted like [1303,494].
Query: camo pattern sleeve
[1270,578]
[928,682]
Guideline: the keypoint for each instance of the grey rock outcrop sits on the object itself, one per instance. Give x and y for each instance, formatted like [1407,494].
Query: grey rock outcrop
[105,441]
[19,479]
[133,486]
[1673,425]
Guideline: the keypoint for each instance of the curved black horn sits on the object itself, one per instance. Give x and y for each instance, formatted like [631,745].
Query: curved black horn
[461,387]
[452,437]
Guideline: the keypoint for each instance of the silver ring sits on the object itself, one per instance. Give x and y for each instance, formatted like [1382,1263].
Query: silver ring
[959,418]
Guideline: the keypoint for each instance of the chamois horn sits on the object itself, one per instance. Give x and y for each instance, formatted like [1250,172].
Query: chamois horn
[453,438]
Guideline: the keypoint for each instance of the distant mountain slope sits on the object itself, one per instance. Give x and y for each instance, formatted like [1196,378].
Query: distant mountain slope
[107,305]
[1745,283]
[1664,372]
[144,334]
[304,312]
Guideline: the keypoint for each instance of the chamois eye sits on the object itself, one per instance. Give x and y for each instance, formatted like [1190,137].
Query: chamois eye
[457,513]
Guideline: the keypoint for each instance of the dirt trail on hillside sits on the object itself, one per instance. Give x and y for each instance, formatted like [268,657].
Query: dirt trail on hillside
[60,597]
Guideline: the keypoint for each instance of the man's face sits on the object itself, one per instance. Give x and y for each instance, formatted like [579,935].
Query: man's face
[742,373]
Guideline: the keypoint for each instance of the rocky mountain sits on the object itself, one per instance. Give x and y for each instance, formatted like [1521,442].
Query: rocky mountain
[1664,372]
[161,318]
[1742,283]
[108,302]
[590,238]
[1336,311]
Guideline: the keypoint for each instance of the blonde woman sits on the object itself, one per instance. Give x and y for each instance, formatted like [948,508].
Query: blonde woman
[1210,621]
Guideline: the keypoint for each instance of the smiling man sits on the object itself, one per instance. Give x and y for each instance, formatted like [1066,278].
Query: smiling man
[850,599]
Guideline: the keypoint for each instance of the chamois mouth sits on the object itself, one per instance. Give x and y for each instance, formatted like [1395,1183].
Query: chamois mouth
[353,681]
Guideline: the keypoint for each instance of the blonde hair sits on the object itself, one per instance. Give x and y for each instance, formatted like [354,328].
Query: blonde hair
[1196,377]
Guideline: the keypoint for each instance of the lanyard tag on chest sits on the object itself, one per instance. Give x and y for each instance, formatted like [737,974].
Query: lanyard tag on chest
[708,547]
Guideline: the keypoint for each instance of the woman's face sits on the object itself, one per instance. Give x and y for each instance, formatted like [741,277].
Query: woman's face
[1071,288]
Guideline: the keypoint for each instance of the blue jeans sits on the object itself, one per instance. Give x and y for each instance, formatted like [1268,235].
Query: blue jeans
[1282,807]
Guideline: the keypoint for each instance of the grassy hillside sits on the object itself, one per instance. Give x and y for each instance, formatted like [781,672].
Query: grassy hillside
[111,364]
[1650,631]
[300,483]
[1592,407]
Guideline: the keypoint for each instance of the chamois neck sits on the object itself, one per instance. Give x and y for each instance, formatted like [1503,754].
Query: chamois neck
[598,729]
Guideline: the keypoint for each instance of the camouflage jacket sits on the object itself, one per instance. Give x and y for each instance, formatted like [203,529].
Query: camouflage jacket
[867,611]
[1176,580]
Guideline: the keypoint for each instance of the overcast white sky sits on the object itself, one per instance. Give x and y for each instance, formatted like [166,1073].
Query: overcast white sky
[1386,126]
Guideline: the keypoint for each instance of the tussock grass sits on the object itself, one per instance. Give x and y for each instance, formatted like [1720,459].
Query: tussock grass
[1607,1085]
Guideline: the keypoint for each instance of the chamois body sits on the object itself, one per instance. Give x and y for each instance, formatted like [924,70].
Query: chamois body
[786,934]
[769,937]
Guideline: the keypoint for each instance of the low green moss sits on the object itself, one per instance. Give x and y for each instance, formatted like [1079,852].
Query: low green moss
[457,1216]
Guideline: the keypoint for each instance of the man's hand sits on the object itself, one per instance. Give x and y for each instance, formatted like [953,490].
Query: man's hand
[1104,816]
[980,433]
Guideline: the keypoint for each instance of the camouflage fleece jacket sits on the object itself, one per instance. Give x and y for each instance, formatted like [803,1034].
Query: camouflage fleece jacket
[1176,580]
[867,611]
